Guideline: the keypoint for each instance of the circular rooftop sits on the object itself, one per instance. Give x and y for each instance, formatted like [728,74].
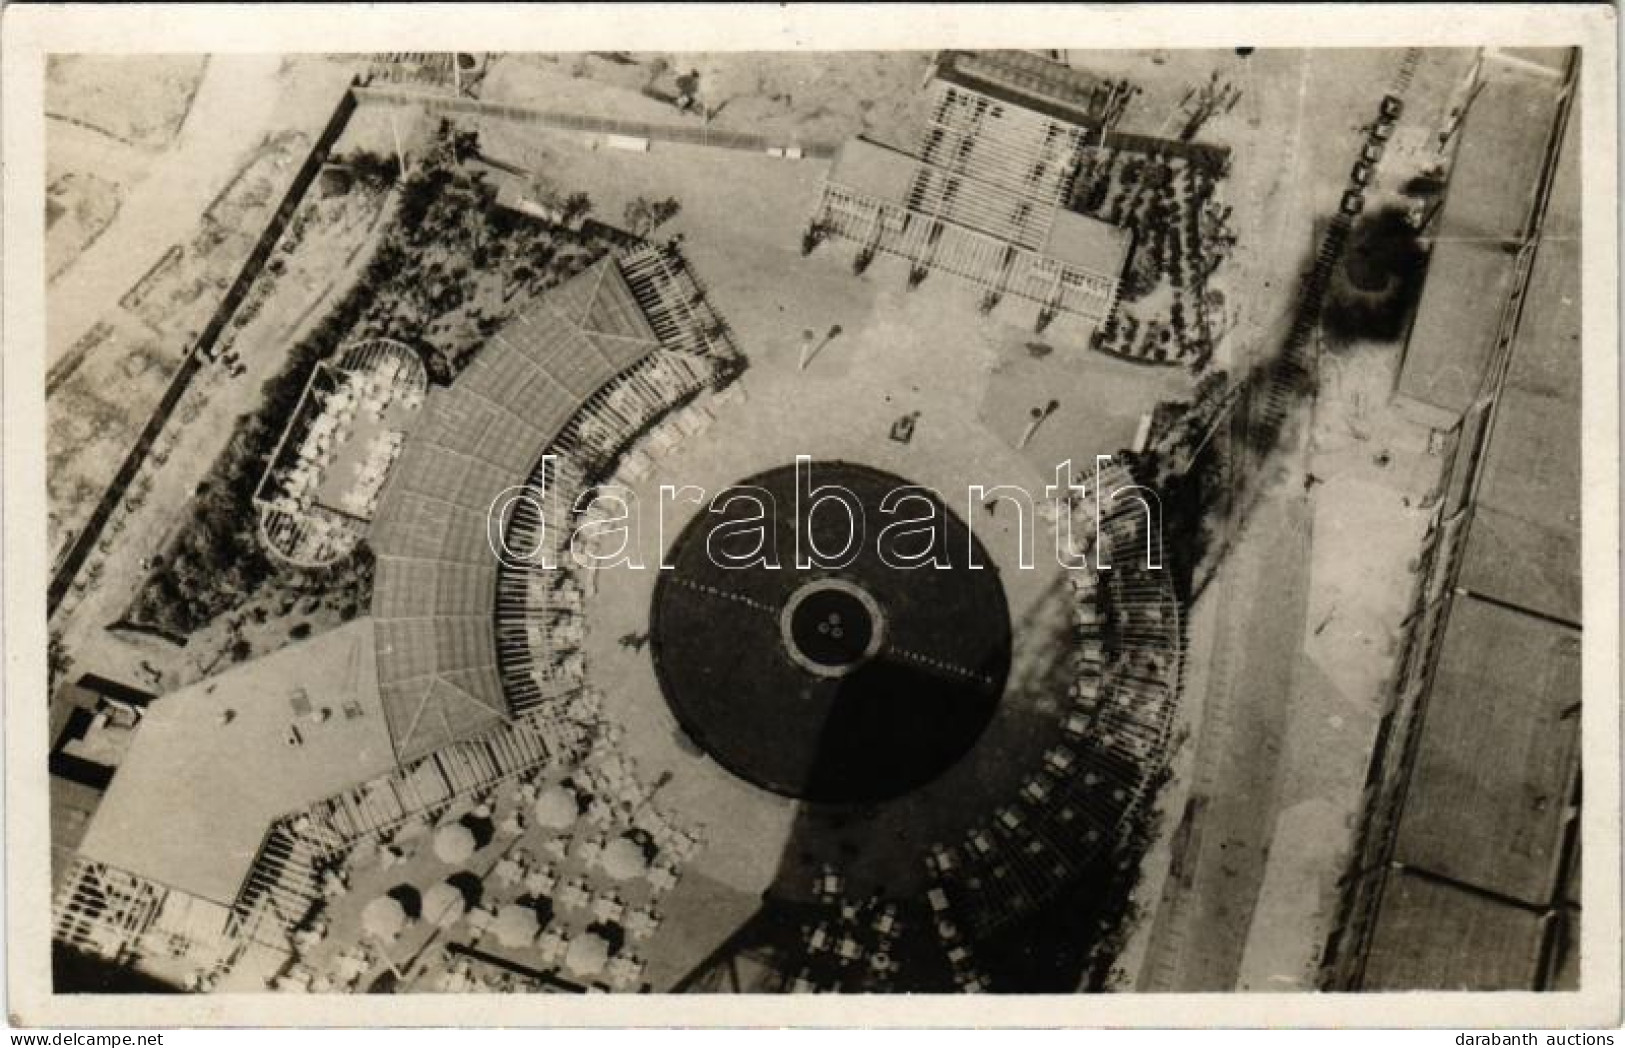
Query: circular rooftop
[842,686]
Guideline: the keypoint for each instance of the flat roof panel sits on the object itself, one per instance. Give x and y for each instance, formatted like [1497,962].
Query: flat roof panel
[1453,336]
[874,170]
[1495,760]
[1523,545]
[1503,145]
[196,794]
[1435,936]
[1508,558]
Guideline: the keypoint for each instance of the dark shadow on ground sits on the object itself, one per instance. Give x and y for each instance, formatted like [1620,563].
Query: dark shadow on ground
[1375,289]
[73,971]
[898,719]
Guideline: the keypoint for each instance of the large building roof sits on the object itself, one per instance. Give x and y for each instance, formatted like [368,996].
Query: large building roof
[195,795]
[1495,763]
[1493,182]
[1431,935]
[1485,848]
[1031,81]
[1453,336]
[434,595]
[1503,140]
[1523,545]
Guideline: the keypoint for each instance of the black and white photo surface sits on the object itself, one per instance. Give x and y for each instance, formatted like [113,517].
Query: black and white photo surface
[1093,520]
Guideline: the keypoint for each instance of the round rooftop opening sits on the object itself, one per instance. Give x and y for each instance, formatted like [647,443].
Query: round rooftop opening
[831,627]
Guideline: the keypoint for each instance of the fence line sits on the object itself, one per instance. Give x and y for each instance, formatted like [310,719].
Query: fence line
[558,121]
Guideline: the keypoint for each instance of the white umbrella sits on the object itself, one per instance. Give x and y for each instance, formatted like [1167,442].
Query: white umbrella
[454,843]
[516,925]
[623,859]
[587,955]
[384,917]
[444,904]
[556,808]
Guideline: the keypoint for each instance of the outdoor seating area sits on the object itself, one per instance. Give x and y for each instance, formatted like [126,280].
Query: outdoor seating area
[1019,155]
[300,867]
[548,879]
[852,944]
[612,440]
[522,840]
[323,482]
[1067,812]
[1126,659]
[518,849]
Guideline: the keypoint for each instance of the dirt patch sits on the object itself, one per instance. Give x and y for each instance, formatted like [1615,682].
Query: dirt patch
[78,206]
[90,424]
[140,100]
[137,349]
[176,291]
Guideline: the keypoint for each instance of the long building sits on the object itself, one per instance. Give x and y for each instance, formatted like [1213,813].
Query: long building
[1477,236]
[1465,875]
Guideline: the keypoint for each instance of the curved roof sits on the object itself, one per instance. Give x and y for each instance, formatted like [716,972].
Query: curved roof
[434,593]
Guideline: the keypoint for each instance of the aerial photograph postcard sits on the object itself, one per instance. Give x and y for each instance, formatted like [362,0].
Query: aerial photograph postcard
[927,518]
